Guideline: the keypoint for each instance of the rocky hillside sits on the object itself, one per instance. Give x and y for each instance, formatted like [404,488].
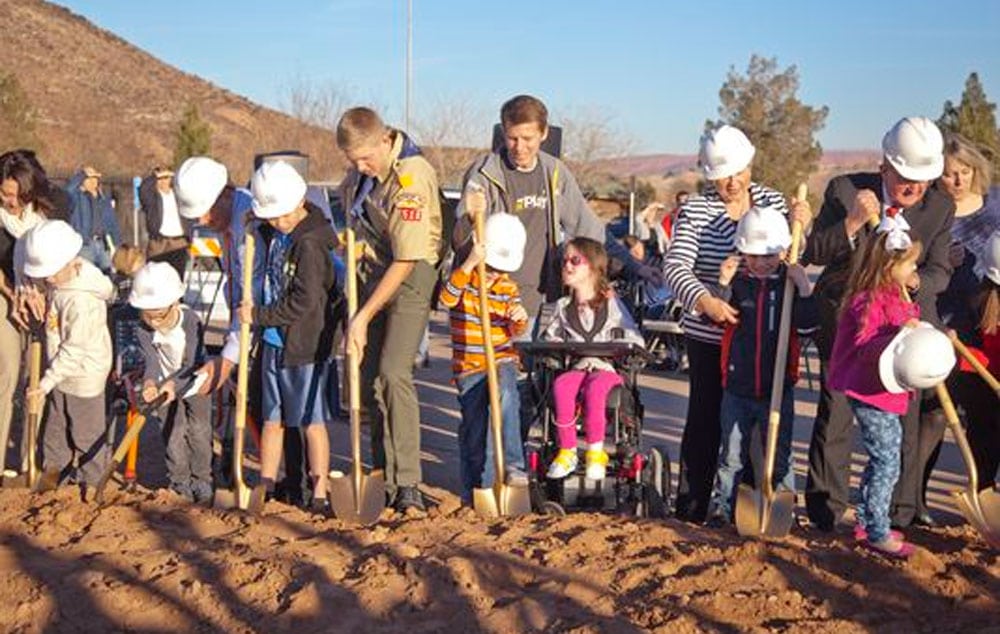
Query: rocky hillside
[103,101]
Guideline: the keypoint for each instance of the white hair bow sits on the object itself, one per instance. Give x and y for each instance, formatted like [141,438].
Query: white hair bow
[897,228]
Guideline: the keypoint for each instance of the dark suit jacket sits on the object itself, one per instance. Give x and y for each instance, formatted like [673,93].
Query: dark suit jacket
[152,205]
[828,246]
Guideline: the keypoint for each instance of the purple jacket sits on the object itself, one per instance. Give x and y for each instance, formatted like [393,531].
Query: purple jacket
[867,325]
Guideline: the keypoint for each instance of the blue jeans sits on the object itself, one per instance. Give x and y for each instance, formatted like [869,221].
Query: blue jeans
[882,436]
[95,251]
[475,440]
[737,417]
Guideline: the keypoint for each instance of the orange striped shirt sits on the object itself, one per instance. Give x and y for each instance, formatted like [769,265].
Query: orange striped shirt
[461,296]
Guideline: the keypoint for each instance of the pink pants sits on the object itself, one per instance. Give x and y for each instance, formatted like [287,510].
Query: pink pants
[595,386]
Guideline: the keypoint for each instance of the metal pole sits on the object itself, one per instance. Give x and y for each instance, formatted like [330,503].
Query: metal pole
[631,207]
[409,61]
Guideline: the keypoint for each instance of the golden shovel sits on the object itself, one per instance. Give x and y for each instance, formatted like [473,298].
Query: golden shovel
[360,498]
[760,510]
[29,478]
[239,495]
[980,508]
[501,499]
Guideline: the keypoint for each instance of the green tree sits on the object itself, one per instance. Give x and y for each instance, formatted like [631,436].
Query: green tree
[975,119]
[17,116]
[194,136]
[763,104]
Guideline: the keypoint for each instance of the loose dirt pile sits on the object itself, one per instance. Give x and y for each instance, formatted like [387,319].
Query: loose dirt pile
[151,563]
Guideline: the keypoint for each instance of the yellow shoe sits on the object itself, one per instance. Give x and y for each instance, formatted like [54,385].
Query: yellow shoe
[563,464]
[597,462]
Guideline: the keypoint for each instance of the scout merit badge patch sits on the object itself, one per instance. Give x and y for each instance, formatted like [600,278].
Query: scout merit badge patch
[410,206]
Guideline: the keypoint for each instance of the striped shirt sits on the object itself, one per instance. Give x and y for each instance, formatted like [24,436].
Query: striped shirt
[704,236]
[461,296]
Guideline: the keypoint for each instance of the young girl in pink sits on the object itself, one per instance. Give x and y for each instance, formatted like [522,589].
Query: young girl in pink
[590,313]
[876,306]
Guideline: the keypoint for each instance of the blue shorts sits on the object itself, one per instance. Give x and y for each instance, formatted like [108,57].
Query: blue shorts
[298,395]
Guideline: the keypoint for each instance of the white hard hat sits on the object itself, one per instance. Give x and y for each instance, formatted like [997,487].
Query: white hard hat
[763,231]
[916,359]
[505,240]
[724,151]
[915,148]
[277,189]
[156,285]
[48,247]
[197,185]
[989,263]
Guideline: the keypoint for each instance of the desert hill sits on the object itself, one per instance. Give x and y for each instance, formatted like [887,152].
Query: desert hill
[103,101]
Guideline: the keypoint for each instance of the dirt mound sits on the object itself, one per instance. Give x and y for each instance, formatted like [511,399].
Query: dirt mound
[152,563]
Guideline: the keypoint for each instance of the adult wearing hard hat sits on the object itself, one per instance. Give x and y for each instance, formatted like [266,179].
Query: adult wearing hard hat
[912,158]
[704,236]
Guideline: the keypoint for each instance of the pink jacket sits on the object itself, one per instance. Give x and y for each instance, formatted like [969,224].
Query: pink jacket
[857,347]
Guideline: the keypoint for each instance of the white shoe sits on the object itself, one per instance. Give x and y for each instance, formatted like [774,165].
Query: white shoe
[563,464]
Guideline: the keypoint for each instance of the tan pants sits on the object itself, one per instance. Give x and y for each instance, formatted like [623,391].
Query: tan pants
[10,367]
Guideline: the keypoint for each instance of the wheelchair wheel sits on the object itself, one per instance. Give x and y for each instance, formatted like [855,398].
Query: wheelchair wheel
[552,508]
[656,484]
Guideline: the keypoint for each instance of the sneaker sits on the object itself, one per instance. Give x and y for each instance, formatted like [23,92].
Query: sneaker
[563,464]
[517,479]
[183,490]
[894,548]
[597,464]
[861,535]
[409,498]
[718,518]
[202,492]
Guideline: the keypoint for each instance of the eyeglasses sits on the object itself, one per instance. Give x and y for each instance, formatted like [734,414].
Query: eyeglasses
[575,260]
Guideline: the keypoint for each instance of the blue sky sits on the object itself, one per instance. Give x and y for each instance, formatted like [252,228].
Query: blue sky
[654,67]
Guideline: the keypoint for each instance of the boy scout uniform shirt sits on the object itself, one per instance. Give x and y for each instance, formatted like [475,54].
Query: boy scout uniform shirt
[403,214]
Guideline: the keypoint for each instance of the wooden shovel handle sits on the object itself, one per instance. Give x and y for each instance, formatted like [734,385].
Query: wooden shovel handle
[493,383]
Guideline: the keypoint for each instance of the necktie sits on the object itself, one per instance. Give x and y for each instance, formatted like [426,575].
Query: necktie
[892,211]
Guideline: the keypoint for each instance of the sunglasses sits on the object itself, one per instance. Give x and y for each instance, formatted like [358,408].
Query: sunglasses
[575,260]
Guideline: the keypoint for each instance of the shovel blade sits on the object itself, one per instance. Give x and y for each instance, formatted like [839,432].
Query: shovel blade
[749,511]
[976,515]
[516,501]
[486,502]
[780,514]
[362,506]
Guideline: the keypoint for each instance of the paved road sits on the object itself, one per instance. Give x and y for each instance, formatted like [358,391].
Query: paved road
[665,398]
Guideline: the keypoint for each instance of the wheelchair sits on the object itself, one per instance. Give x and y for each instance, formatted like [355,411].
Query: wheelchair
[638,480]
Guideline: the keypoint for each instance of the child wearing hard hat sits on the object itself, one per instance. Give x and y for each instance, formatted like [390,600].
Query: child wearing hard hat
[171,342]
[881,355]
[503,252]
[749,347]
[78,349]
[296,320]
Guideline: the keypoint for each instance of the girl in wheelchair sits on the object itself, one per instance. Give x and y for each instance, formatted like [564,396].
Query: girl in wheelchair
[590,313]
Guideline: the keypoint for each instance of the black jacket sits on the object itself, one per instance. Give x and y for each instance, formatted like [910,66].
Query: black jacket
[828,246]
[749,347]
[152,204]
[305,310]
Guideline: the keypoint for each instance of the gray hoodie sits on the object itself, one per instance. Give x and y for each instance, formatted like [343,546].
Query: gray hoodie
[77,341]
